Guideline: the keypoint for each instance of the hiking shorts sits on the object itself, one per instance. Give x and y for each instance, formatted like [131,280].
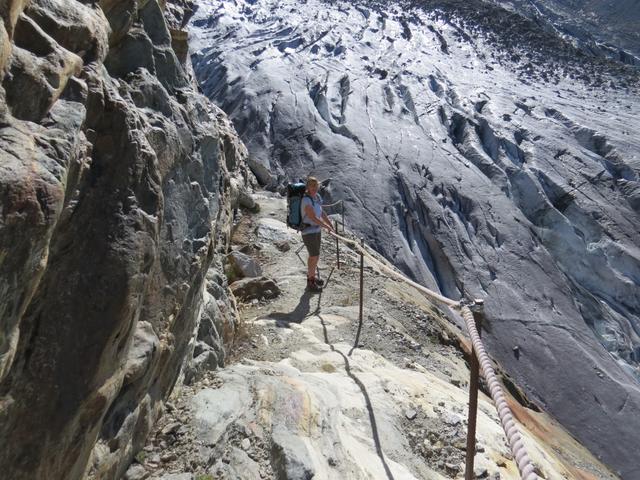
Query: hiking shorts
[312,242]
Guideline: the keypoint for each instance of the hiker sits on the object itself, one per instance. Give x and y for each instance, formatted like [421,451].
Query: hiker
[315,220]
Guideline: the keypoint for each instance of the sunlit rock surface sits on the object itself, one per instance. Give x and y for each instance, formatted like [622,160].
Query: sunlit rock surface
[479,153]
[118,183]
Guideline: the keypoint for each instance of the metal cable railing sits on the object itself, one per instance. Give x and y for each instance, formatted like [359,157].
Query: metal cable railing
[509,426]
[328,205]
[341,203]
[504,412]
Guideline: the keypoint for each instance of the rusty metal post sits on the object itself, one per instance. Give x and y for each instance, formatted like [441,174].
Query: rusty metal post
[361,280]
[355,345]
[342,214]
[335,226]
[478,313]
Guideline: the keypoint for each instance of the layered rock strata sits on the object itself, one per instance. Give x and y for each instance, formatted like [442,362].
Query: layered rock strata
[118,184]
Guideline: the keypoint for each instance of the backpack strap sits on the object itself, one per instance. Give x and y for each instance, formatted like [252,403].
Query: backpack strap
[313,202]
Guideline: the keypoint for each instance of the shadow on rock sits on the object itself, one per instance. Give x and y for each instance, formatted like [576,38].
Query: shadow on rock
[367,399]
[302,311]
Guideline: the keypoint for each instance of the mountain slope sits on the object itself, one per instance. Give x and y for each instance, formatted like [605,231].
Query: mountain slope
[596,26]
[477,152]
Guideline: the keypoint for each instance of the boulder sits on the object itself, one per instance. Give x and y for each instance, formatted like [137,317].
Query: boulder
[270,230]
[239,466]
[214,410]
[291,459]
[249,289]
[283,245]
[216,284]
[205,361]
[243,266]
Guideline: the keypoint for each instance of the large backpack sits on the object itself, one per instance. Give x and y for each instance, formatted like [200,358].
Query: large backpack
[295,193]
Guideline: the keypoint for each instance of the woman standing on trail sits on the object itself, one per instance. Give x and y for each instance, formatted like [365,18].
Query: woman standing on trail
[315,219]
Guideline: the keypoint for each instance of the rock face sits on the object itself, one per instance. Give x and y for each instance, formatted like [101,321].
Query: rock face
[117,183]
[481,154]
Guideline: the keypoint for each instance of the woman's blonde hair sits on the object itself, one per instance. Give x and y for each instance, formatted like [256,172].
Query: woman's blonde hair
[312,181]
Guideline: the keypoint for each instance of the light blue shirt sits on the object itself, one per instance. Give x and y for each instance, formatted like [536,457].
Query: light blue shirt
[316,204]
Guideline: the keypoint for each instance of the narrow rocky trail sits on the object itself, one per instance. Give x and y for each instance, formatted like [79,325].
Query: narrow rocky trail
[298,401]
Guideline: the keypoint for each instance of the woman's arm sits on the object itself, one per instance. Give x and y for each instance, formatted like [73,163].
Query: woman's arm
[327,220]
[311,215]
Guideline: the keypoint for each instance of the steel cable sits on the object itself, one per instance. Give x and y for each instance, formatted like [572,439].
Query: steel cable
[430,293]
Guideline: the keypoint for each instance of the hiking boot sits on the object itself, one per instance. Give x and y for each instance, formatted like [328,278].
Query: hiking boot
[312,285]
[317,280]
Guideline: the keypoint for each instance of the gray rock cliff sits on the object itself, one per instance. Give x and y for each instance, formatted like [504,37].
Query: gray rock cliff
[118,183]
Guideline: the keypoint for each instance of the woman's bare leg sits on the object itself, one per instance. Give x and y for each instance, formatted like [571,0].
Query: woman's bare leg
[312,264]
